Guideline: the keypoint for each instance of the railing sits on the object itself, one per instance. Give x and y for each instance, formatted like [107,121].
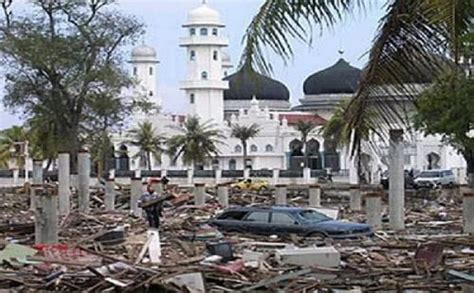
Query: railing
[261,173]
[291,173]
[232,173]
[204,173]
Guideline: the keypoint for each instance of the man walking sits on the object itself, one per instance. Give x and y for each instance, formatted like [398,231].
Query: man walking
[148,201]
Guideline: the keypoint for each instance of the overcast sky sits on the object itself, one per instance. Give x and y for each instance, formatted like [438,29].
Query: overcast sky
[163,19]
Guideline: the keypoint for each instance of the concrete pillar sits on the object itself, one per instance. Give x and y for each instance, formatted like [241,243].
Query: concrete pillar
[64,188]
[353,176]
[83,169]
[246,173]
[16,177]
[275,176]
[396,180]
[136,190]
[37,180]
[199,194]
[190,176]
[109,199]
[468,212]
[46,216]
[356,198]
[280,194]
[223,195]
[314,192]
[218,176]
[373,209]
[306,175]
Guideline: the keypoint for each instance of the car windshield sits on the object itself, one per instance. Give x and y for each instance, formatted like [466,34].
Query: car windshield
[429,174]
[313,216]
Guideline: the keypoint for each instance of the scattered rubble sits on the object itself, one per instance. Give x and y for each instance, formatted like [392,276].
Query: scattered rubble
[107,251]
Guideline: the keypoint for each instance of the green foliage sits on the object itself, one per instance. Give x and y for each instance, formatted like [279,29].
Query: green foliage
[244,133]
[149,142]
[12,139]
[64,68]
[196,143]
[447,109]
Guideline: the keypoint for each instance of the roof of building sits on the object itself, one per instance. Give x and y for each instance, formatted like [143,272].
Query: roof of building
[247,83]
[337,79]
[204,15]
[294,118]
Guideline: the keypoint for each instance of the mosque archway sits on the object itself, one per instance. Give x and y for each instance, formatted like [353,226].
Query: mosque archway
[296,155]
[434,161]
[314,159]
[123,159]
[232,164]
[331,156]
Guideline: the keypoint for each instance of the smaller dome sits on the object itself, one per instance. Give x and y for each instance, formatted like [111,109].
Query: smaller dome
[341,78]
[204,15]
[143,51]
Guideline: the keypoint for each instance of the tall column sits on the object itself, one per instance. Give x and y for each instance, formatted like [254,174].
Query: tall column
[83,169]
[16,176]
[396,181]
[64,188]
[246,173]
[109,199]
[223,195]
[314,193]
[280,194]
[46,217]
[37,180]
[218,176]
[306,175]
[468,213]
[135,193]
[275,176]
[356,198]
[199,194]
[190,176]
[373,209]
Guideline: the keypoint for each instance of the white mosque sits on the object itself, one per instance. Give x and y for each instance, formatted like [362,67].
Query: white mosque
[214,92]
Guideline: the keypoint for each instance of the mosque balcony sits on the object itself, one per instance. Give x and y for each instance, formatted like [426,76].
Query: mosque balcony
[204,84]
[203,41]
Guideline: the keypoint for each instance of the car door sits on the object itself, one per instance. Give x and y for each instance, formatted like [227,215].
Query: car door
[257,222]
[284,223]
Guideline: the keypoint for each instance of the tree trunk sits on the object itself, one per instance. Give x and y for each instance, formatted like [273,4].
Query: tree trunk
[469,157]
[148,160]
[244,147]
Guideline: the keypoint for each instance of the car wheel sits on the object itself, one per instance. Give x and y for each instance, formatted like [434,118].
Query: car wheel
[317,235]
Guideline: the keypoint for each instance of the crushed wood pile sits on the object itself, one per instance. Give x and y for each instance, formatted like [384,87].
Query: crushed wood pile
[106,252]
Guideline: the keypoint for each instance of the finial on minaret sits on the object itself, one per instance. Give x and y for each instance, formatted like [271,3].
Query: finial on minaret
[341,52]
[204,1]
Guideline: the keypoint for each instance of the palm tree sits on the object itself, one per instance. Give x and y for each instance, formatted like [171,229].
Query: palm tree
[10,145]
[410,38]
[148,141]
[305,128]
[337,131]
[196,142]
[244,133]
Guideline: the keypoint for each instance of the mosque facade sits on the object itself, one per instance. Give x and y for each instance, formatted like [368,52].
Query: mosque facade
[215,92]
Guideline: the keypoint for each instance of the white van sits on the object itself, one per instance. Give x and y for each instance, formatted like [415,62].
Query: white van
[433,178]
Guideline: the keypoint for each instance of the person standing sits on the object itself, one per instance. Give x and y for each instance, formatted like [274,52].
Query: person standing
[152,208]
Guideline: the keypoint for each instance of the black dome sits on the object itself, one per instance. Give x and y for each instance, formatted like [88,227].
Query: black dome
[341,78]
[247,83]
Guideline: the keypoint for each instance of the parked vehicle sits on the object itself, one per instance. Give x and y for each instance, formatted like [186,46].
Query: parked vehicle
[435,178]
[268,220]
[409,179]
[250,184]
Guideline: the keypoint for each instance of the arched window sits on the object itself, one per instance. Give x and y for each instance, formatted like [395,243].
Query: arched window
[225,73]
[150,70]
[214,55]
[204,75]
[214,31]
[150,93]
[192,31]
[191,98]
[203,31]
[253,148]
[232,164]
[135,71]
[269,148]
[192,55]
[123,159]
[238,149]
